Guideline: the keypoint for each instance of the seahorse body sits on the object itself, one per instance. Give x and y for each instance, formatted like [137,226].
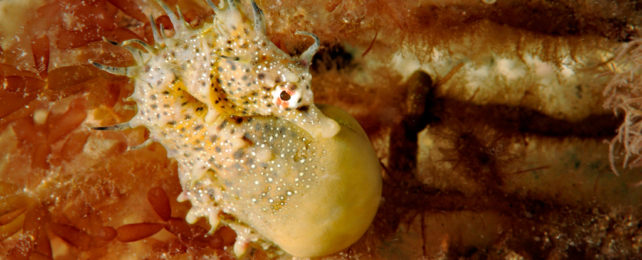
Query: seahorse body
[253,150]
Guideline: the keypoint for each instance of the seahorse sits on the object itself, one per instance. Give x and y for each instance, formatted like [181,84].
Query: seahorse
[254,152]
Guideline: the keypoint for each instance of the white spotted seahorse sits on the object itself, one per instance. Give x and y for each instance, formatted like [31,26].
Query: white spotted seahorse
[253,150]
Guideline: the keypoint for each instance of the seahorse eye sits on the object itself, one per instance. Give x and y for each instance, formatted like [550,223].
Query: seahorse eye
[284,96]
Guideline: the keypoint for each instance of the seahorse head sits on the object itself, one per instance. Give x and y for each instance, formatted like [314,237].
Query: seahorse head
[231,67]
[258,78]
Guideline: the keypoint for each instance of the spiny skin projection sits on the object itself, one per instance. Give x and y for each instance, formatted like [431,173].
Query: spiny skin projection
[236,113]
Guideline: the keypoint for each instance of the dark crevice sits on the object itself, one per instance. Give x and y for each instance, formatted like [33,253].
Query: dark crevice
[523,120]
[557,18]
[332,57]
[529,222]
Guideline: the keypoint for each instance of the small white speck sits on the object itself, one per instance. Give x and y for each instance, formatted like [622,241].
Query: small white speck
[40,116]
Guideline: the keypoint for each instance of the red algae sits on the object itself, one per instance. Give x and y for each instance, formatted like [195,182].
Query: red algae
[160,202]
[18,91]
[137,231]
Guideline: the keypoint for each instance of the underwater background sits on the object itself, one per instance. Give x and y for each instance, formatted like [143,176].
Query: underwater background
[506,129]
